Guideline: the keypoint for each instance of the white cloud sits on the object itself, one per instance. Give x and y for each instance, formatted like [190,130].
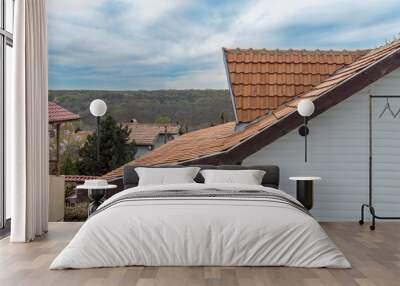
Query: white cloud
[140,13]
[178,43]
[374,32]
[73,10]
[270,15]
[205,78]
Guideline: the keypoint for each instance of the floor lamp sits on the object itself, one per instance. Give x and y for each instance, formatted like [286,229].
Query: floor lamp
[98,108]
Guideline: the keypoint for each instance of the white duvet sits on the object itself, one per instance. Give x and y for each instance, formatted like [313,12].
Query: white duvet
[193,231]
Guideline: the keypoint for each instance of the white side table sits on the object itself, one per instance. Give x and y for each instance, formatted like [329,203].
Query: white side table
[96,195]
[305,190]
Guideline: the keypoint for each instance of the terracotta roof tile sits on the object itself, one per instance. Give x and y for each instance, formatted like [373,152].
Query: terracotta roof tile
[147,133]
[215,140]
[84,133]
[57,114]
[278,73]
[191,145]
[283,111]
[352,69]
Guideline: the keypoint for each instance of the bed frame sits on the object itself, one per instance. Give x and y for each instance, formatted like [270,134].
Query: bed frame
[270,179]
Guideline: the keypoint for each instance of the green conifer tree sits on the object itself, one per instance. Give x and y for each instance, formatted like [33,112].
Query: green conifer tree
[115,150]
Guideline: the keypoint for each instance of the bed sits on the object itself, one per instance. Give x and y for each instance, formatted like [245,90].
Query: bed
[198,224]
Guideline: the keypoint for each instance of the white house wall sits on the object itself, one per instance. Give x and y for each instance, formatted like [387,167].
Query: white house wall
[141,150]
[338,152]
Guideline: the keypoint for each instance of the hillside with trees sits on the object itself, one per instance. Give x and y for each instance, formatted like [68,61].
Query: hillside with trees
[193,109]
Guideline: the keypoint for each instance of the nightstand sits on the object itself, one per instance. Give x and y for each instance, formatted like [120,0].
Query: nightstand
[96,195]
[305,190]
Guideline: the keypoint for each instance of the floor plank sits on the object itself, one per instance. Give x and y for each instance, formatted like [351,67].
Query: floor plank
[375,257]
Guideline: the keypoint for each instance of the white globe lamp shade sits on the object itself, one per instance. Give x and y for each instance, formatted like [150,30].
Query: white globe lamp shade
[98,107]
[305,107]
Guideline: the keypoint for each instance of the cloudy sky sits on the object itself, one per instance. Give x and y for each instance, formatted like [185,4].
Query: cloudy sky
[157,44]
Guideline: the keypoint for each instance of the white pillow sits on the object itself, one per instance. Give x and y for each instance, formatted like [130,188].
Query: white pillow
[248,177]
[166,176]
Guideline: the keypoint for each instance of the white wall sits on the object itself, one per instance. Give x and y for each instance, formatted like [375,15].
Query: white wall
[56,198]
[141,150]
[338,152]
[161,139]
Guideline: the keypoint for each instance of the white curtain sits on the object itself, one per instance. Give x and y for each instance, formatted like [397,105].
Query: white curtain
[27,124]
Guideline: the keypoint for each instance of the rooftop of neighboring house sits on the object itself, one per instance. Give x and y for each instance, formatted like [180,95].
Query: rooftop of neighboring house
[83,134]
[58,114]
[338,75]
[78,178]
[146,134]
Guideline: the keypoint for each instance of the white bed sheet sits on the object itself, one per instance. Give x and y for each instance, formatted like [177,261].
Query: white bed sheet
[200,232]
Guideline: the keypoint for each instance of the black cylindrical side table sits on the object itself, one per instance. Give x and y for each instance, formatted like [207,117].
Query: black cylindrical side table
[305,190]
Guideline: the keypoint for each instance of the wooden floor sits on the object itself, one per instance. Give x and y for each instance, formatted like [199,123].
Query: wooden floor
[375,257]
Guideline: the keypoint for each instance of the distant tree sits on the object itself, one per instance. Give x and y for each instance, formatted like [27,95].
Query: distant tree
[222,117]
[114,149]
[163,119]
[68,165]
[181,127]
[197,108]
[69,157]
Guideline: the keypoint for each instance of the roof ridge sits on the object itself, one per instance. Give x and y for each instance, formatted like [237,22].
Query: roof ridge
[339,51]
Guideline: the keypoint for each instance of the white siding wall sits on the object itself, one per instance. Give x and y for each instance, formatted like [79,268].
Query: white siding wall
[338,152]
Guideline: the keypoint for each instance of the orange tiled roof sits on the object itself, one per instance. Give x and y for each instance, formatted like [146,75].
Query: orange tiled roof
[78,178]
[59,114]
[84,133]
[222,139]
[185,147]
[261,80]
[147,133]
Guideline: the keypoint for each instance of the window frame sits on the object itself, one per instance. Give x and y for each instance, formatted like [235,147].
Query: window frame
[6,39]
